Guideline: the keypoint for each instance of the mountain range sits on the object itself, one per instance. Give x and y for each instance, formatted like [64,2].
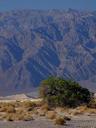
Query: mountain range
[36,44]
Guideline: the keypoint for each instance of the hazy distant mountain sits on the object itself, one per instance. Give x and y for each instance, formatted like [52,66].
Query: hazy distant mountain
[38,44]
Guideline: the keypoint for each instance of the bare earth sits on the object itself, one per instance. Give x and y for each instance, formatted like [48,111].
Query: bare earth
[41,122]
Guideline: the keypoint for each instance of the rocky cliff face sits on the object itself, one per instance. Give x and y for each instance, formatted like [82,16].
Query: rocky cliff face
[38,44]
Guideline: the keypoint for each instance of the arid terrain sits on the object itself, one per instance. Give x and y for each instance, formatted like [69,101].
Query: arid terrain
[80,122]
[47,64]
[32,113]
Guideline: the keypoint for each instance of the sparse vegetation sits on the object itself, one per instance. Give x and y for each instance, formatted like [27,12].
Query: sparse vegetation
[6,107]
[17,111]
[28,104]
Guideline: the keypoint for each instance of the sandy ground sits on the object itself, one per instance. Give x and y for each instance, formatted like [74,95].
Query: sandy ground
[41,122]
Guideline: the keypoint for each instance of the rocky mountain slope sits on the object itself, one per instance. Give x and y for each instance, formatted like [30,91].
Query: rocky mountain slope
[37,44]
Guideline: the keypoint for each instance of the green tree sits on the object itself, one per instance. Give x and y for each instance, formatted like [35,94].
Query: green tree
[59,92]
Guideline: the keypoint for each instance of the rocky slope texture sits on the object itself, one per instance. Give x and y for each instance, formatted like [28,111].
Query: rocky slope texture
[38,44]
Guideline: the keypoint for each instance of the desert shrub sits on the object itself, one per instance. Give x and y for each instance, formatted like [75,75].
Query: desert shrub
[43,110]
[6,107]
[18,117]
[28,118]
[10,109]
[59,92]
[51,114]
[60,121]
[20,111]
[28,104]
[42,113]
[24,117]
[92,103]
[9,118]
[45,107]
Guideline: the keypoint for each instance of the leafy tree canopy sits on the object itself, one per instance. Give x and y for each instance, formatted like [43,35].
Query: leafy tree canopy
[59,92]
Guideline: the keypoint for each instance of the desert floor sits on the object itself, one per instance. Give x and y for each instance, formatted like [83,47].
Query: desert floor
[77,121]
[41,122]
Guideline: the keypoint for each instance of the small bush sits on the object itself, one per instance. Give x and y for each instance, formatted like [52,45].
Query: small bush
[45,107]
[6,107]
[92,103]
[51,115]
[18,117]
[20,111]
[42,112]
[60,121]
[10,109]
[26,117]
[28,104]
[9,118]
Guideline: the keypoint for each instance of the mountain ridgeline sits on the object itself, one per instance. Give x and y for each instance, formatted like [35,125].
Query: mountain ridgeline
[37,44]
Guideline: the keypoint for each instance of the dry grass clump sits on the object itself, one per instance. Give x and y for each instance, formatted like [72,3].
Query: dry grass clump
[60,121]
[10,109]
[35,111]
[28,104]
[41,112]
[82,110]
[45,107]
[24,117]
[6,107]
[20,111]
[51,114]
[91,111]
[63,110]
[9,117]
[79,110]
[76,113]
[18,117]
[92,103]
